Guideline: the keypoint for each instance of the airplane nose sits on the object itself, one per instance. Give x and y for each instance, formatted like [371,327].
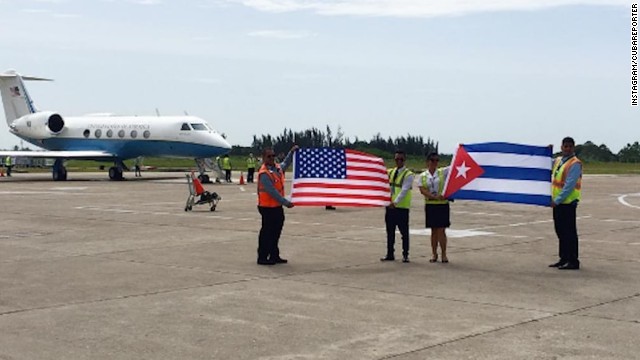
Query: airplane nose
[224,143]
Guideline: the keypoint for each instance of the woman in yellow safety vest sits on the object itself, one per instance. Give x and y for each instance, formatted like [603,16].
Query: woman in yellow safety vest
[436,207]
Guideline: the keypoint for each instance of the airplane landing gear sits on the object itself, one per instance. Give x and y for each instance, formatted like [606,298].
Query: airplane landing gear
[59,172]
[115,173]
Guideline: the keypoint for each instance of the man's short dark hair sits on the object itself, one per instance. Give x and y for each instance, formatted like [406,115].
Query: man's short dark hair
[265,149]
[569,140]
[431,155]
[401,152]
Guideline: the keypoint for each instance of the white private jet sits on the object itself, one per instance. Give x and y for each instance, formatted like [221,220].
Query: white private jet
[104,137]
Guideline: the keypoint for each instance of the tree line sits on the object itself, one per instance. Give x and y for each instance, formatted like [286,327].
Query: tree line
[415,145]
[314,137]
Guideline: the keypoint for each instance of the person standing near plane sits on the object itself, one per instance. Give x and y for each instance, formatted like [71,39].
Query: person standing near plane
[137,165]
[565,194]
[270,202]
[8,164]
[226,166]
[251,167]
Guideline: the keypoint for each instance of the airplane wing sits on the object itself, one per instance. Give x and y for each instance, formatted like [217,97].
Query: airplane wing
[80,154]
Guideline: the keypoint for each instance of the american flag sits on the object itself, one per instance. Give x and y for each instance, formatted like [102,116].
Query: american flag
[339,177]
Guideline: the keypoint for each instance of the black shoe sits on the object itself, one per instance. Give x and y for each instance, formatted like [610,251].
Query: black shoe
[569,266]
[405,259]
[558,264]
[266,262]
[281,261]
[329,207]
[387,258]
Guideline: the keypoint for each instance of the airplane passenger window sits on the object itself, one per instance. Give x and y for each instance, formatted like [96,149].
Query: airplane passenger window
[98,133]
[134,134]
[121,133]
[109,133]
[185,126]
[86,133]
[198,127]
[146,134]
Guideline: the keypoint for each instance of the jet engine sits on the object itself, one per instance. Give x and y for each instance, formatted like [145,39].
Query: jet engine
[41,125]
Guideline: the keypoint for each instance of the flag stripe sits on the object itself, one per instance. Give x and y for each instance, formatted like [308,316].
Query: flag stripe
[322,201]
[511,160]
[356,185]
[515,173]
[503,147]
[543,200]
[353,195]
[509,186]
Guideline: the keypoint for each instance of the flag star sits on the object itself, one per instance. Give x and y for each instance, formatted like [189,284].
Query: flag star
[462,170]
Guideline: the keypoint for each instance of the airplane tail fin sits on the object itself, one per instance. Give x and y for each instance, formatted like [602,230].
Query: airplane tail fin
[15,98]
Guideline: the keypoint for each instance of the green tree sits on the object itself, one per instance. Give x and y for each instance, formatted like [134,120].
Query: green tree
[630,153]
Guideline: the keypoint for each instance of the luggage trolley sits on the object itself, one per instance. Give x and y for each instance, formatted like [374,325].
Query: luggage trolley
[196,189]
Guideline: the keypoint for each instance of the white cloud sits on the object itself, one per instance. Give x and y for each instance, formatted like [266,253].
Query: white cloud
[147,2]
[36,11]
[412,8]
[66,16]
[281,34]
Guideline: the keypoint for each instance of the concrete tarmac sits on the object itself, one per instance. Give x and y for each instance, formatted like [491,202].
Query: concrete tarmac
[95,269]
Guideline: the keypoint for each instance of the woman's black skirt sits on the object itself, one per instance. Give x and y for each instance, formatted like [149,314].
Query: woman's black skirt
[437,215]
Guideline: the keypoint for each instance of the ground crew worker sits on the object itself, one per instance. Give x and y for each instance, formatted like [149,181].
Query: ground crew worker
[397,213]
[226,166]
[565,195]
[270,201]
[9,164]
[436,207]
[251,167]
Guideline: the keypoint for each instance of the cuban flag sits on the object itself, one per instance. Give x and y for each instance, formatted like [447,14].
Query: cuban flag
[502,172]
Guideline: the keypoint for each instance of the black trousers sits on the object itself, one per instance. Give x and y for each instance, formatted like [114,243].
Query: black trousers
[227,175]
[395,217]
[250,172]
[564,221]
[272,223]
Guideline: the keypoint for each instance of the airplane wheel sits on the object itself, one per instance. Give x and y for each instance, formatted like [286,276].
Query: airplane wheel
[60,175]
[213,208]
[115,173]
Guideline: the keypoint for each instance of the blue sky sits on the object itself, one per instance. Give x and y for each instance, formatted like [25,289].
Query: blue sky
[454,71]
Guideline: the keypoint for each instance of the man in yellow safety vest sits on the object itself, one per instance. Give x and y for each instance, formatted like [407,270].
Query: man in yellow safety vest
[565,195]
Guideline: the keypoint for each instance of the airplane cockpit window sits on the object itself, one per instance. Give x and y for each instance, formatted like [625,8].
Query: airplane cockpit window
[185,126]
[198,126]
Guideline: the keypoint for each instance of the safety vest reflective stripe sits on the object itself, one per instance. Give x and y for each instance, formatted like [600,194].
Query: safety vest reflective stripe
[396,187]
[264,199]
[251,163]
[440,174]
[560,172]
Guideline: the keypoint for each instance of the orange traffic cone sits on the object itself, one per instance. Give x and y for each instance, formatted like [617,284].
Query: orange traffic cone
[241,179]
